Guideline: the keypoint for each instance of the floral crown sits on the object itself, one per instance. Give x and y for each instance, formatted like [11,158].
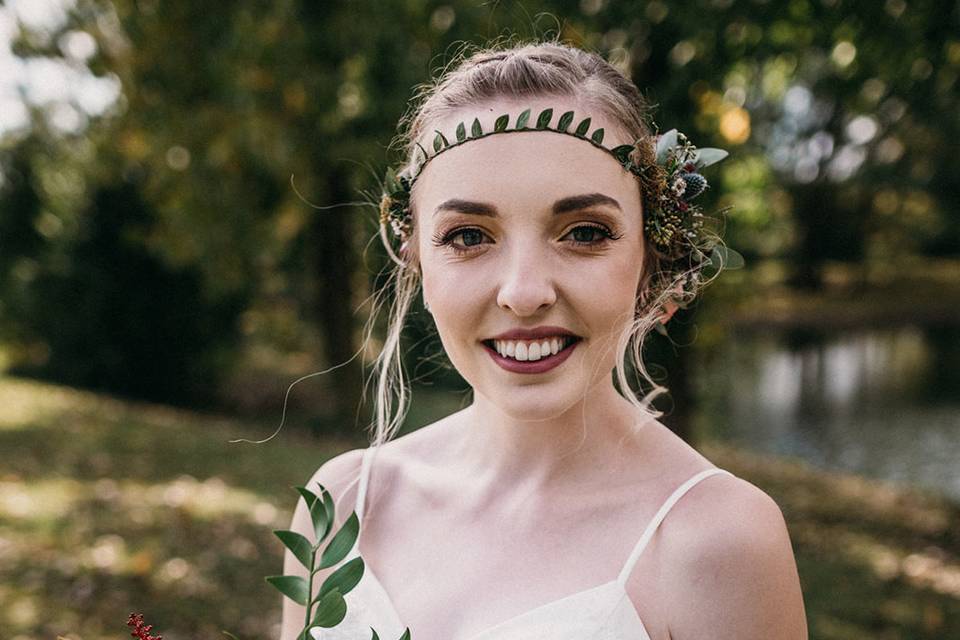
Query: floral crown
[668,167]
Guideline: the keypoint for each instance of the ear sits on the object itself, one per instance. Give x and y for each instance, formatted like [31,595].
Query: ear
[669,308]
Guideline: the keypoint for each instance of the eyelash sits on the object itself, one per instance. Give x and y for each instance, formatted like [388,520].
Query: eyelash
[441,239]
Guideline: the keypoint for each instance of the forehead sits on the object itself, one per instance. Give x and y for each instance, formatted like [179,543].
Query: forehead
[523,167]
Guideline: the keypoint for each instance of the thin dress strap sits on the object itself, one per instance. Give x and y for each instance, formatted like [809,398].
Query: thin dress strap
[658,518]
[364,481]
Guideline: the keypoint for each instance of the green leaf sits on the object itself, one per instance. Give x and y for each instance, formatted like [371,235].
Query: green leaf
[622,152]
[298,544]
[374,636]
[544,118]
[727,257]
[390,179]
[565,121]
[597,136]
[522,119]
[583,127]
[423,151]
[317,512]
[461,132]
[475,129]
[328,508]
[341,543]
[294,587]
[308,496]
[437,142]
[501,123]
[330,610]
[666,142]
[708,156]
[343,579]
[406,634]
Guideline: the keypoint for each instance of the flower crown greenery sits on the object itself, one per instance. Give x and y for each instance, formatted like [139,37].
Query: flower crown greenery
[668,167]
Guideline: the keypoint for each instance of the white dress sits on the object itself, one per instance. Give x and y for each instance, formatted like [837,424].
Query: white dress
[604,612]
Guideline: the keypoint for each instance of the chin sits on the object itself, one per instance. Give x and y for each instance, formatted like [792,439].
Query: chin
[534,403]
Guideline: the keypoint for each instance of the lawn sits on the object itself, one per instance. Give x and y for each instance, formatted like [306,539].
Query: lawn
[109,507]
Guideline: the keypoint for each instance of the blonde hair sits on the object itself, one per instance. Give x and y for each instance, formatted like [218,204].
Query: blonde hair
[543,68]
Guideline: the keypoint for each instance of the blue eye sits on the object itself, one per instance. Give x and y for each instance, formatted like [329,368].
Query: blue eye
[468,233]
[592,231]
[471,233]
[588,235]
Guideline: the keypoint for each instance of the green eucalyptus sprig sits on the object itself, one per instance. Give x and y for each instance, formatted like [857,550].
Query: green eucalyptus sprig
[328,608]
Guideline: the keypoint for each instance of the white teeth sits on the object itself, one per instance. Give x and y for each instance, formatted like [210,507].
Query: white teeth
[529,350]
[533,352]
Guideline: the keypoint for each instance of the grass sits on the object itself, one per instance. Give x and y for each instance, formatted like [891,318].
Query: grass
[109,507]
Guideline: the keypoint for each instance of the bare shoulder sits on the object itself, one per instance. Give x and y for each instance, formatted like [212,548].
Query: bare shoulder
[338,475]
[733,572]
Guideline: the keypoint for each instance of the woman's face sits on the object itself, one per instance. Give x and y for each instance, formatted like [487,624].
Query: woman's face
[526,230]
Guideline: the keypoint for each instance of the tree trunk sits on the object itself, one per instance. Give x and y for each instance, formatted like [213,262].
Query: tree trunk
[334,261]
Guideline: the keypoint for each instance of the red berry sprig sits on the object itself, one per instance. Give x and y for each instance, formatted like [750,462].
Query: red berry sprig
[140,630]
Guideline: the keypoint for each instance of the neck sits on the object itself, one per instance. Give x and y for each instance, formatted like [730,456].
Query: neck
[505,454]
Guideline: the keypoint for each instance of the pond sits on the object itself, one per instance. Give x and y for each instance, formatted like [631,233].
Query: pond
[883,403]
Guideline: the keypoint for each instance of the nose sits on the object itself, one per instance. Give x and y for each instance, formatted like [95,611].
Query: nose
[526,281]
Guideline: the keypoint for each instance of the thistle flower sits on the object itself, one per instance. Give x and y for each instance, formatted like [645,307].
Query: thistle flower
[696,184]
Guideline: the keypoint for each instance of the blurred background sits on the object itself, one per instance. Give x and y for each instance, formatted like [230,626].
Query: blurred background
[164,279]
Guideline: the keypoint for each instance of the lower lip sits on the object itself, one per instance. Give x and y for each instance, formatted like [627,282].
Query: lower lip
[537,366]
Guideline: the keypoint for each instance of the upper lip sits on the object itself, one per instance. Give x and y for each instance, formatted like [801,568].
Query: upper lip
[533,334]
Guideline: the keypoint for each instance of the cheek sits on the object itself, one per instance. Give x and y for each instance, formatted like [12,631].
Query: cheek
[456,297]
[607,293]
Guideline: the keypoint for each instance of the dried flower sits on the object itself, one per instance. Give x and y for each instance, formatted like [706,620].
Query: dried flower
[679,186]
[140,630]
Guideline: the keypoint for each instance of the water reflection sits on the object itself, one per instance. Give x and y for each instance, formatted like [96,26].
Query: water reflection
[883,402]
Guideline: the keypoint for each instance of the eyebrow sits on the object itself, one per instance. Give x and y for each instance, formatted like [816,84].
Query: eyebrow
[563,205]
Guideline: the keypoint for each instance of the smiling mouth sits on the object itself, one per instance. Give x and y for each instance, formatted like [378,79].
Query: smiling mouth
[509,348]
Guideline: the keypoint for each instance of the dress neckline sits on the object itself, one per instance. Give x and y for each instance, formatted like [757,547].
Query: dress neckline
[614,586]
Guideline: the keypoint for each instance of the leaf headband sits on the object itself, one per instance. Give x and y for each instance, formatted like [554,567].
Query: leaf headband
[667,167]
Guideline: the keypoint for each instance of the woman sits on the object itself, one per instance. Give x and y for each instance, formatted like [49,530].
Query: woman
[554,506]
